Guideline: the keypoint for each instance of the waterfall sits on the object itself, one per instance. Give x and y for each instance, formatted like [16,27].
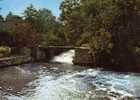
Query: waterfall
[65,57]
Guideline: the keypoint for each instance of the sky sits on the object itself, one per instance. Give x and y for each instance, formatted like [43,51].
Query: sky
[18,6]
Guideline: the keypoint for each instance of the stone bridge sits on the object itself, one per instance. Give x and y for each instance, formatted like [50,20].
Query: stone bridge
[51,51]
[45,54]
[82,54]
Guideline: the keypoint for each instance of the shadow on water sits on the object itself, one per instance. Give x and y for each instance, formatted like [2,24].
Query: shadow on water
[63,81]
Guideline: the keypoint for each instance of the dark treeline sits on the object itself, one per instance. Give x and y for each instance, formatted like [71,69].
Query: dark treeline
[110,28]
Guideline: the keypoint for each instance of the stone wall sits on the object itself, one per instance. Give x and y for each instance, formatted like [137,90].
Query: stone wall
[40,55]
[17,60]
[83,57]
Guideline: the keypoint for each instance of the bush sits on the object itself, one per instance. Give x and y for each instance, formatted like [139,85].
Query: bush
[5,51]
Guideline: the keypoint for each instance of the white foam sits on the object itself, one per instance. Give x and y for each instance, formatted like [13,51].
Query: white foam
[65,57]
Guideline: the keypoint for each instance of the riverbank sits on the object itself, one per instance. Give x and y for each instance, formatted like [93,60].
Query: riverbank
[14,60]
[63,80]
[81,56]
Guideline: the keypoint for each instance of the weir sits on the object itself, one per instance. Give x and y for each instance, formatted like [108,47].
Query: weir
[79,55]
[65,57]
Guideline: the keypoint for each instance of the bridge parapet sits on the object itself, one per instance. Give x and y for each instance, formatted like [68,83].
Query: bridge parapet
[64,47]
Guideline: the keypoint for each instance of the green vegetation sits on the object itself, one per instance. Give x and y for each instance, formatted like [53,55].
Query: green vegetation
[109,27]
[12,17]
[1,19]
[5,51]
[37,27]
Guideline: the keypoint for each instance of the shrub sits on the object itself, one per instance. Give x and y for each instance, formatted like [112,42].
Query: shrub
[5,51]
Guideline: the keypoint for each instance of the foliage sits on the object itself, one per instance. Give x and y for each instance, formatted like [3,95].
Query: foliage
[1,18]
[4,51]
[12,17]
[37,27]
[6,39]
[71,20]
[50,27]
[101,41]
[106,26]
[25,35]
[31,14]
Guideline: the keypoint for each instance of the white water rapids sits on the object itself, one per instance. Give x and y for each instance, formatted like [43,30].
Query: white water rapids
[65,81]
[65,57]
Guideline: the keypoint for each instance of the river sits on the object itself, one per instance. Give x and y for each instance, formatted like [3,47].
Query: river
[61,80]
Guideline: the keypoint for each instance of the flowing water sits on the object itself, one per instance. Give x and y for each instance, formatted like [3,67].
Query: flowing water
[61,80]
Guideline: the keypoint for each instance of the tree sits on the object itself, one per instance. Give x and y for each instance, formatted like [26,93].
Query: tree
[71,20]
[6,39]
[25,35]
[12,17]
[31,14]
[45,24]
[49,27]
[1,18]
[105,26]
[46,20]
